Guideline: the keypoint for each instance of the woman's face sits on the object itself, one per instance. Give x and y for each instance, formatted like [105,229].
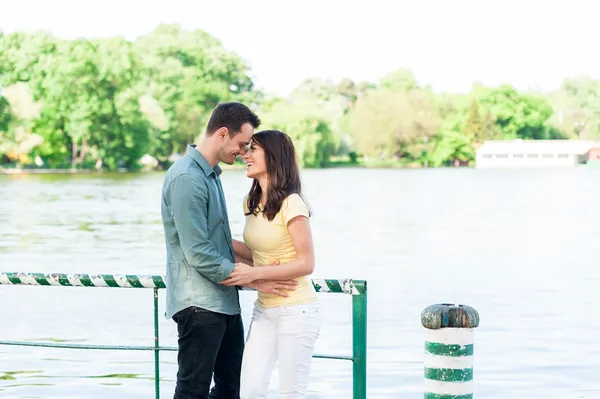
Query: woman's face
[256,165]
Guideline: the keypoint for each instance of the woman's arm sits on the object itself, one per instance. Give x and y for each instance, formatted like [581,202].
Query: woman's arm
[300,233]
[242,253]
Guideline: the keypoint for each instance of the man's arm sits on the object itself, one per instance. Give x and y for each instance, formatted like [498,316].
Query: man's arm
[276,287]
[189,199]
[243,254]
[239,259]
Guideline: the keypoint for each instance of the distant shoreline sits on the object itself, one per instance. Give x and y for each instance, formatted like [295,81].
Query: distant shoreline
[16,171]
[68,171]
[64,171]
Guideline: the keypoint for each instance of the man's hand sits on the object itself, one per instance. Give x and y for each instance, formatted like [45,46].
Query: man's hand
[274,287]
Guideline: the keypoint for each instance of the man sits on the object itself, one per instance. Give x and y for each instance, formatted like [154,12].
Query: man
[200,255]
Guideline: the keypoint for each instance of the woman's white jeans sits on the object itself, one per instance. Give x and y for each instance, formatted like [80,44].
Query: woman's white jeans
[285,335]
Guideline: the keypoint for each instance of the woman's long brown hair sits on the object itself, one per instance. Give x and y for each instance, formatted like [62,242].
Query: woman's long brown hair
[282,169]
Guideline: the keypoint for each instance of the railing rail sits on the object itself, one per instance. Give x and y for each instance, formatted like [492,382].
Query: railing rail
[356,288]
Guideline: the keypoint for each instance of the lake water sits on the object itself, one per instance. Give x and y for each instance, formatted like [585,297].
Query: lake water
[521,247]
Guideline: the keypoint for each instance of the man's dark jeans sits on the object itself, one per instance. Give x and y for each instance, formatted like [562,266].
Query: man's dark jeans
[208,342]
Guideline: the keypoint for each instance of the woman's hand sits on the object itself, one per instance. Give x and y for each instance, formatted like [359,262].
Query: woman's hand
[242,274]
[274,286]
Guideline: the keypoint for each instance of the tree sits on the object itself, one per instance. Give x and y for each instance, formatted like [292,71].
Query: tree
[111,101]
[18,139]
[188,73]
[517,115]
[389,124]
[307,124]
[577,108]
[474,125]
[401,80]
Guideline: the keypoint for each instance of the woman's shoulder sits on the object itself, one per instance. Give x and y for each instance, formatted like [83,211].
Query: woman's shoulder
[293,199]
[294,205]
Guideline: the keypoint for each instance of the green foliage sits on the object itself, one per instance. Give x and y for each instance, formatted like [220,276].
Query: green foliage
[401,80]
[577,109]
[5,116]
[307,125]
[109,103]
[517,115]
[395,124]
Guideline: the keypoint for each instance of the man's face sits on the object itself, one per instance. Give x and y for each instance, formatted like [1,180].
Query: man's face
[232,147]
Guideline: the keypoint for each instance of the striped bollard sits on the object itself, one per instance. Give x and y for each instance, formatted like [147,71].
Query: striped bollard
[449,350]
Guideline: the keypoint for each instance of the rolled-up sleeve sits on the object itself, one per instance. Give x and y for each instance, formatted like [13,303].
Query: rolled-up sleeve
[188,198]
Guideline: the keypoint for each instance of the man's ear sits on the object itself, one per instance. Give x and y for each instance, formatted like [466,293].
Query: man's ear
[222,133]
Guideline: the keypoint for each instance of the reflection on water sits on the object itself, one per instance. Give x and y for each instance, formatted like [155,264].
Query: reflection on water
[519,246]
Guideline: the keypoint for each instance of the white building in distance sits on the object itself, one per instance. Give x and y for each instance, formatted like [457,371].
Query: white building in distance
[536,153]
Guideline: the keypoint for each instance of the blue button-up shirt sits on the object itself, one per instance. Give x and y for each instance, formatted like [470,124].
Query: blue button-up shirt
[198,238]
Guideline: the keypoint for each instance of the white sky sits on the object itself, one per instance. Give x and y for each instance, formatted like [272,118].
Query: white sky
[447,43]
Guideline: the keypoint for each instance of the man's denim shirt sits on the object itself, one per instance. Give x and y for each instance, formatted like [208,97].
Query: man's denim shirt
[198,238]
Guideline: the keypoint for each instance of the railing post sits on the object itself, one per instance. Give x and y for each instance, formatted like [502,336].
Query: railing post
[357,289]
[449,341]
[359,345]
[156,348]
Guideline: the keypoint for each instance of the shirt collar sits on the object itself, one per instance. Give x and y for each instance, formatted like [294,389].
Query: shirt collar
[201,161]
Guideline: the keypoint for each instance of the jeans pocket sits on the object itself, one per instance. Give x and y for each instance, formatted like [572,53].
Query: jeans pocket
[204,318]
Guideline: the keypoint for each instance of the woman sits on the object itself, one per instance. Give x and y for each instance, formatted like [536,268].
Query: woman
[278,239]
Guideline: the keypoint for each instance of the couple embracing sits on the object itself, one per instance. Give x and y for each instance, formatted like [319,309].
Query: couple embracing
[206,267]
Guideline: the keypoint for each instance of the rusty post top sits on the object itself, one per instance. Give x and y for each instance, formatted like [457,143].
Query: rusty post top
[445,315]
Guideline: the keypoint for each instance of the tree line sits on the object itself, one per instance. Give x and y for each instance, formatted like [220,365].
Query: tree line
[112,103]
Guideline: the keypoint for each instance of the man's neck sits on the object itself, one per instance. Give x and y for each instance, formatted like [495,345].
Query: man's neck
[206,148]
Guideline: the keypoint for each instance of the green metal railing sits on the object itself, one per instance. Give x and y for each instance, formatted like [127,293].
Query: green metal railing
[356,288]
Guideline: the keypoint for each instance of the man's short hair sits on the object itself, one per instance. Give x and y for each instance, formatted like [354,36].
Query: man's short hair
[231,115]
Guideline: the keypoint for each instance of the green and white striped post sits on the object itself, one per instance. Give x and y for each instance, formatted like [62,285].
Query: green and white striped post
[449,333]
